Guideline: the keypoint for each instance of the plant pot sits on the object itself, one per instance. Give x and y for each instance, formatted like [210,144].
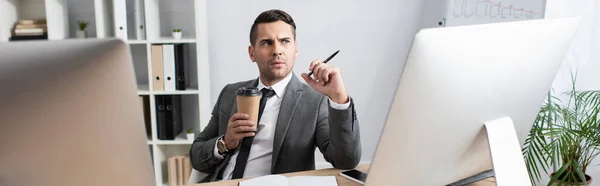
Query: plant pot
[191,136]
[177,35]
[80,34]
[587,177]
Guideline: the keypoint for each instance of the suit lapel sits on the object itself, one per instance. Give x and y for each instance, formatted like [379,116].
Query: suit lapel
[293,93]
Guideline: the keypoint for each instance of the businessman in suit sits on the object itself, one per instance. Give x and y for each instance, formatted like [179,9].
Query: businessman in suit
[297,118]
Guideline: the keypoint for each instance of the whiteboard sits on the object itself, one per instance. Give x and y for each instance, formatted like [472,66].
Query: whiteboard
[468,12]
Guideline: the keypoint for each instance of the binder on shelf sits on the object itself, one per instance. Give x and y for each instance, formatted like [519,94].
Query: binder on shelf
[146,111]
[157,68]
[161,117]
[174,124]
[120,20]
[140,30]
[177,115]
[179,67]
[169,66]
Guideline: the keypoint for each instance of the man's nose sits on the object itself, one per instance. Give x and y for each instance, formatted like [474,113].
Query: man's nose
[276,49]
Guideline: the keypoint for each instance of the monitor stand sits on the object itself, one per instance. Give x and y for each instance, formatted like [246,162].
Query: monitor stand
[507,158]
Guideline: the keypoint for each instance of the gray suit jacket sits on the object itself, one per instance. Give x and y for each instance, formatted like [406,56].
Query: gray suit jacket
[305,121]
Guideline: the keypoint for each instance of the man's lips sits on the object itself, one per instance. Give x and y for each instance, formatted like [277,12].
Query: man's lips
[277,63]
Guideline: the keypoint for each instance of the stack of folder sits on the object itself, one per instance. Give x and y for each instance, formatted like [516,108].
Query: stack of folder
[168,69]
[169,116]
[179,169]
[28,29]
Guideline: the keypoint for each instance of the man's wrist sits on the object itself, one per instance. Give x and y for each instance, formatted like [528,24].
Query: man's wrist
[336,106]
[216,150]
[340,98]
[222,146]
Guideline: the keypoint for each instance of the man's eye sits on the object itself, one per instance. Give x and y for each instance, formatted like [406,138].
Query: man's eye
[286,41]
[266,43]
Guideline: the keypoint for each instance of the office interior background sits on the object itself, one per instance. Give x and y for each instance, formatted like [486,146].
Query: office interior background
[374,38]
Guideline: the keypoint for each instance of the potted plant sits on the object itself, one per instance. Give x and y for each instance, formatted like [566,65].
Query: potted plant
[81,32]
[177,33]
[566,135]
[190,134]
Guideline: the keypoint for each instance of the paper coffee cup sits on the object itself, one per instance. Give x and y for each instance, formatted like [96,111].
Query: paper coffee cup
[248,102]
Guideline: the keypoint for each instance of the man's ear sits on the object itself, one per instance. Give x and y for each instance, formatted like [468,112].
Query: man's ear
[251,53]
[296,43]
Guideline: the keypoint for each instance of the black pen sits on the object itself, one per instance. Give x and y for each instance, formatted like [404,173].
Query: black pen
[326,60]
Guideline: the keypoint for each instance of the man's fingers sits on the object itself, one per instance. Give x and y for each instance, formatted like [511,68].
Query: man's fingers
[325,75]
[239,116]
[239,123]
[244,129]
[247,134]
[313,63]
[317,71]
[308,80]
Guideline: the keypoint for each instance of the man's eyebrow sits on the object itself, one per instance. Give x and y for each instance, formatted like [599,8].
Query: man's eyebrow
[271,40]
[265,40]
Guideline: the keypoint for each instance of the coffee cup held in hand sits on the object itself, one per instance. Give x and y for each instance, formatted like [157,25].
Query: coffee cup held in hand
[248,102]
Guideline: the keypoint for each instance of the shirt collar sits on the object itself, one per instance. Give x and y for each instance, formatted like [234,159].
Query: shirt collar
[278,87]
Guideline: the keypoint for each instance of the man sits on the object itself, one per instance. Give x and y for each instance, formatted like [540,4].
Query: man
[296,119]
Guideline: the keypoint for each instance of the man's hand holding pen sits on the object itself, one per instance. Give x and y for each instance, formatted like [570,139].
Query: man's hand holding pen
[327,80]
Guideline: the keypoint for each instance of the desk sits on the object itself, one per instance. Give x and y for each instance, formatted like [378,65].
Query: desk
[327,172]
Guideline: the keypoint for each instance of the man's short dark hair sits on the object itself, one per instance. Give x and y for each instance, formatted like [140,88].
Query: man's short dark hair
[271,16]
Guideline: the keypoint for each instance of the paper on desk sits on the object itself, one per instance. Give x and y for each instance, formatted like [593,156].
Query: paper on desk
[312,181]
[269,180]
[278,180]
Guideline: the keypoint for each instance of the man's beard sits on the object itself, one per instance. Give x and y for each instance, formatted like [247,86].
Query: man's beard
[273,76]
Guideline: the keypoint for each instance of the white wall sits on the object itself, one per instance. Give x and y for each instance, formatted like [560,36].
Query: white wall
[373,38]
[583,54]
[32,9]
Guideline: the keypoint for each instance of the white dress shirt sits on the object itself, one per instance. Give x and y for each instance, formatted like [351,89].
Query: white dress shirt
[259,159]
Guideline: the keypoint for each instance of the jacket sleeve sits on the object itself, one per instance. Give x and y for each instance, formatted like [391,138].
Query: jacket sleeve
[202,151]
[338,136]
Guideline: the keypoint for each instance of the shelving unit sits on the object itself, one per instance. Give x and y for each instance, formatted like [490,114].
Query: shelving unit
[160,17]
[140,23]
[53,11]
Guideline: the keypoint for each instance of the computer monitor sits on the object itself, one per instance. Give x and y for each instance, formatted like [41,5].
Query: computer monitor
[457,82]
[70,115]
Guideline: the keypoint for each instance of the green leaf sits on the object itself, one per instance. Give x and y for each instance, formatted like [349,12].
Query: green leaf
[580,173]
[558,173]
[567,131]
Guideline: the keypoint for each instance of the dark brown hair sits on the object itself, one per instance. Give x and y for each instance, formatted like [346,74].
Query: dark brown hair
[270,16]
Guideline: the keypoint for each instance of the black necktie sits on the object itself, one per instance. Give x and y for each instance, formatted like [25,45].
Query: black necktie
[242,158]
